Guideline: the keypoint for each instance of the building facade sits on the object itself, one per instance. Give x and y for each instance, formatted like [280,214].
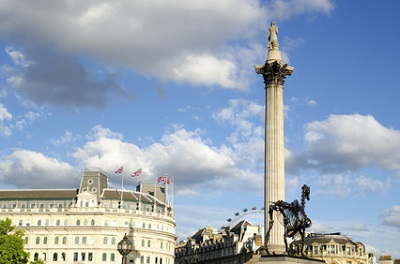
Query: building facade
[335,248]
[232,245]
[84,225]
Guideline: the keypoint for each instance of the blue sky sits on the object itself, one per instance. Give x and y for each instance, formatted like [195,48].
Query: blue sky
[170,87]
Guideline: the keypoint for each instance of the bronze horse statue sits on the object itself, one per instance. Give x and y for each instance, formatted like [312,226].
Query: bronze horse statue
[295,220]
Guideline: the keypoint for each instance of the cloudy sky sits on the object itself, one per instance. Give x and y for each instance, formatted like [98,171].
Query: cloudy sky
[169,87]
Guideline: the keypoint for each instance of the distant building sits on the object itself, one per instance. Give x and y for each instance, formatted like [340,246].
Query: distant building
[85,225]
[335,248]
[231,245]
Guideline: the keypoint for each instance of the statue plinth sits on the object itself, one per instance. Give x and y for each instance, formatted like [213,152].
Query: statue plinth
[283,259]
[274,55]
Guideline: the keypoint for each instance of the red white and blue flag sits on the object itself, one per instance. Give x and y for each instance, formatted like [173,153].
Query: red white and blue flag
[121,169]
[169,181]
[162,178]
[137,173]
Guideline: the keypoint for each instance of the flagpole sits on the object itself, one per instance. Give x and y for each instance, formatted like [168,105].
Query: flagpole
[122,194]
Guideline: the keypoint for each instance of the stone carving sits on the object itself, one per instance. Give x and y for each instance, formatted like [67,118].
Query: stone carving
[295,219]
[273,37]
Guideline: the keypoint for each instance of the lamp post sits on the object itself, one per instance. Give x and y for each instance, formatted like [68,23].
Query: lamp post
[124,248]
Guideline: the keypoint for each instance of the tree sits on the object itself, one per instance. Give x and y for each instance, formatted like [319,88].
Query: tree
[11,244]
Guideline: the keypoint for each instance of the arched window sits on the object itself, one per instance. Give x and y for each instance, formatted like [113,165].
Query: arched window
[46,222]
[106,223]
[126,223]
[76,240]
[45,240]
[65,222]
[148,243]
[37,240]
[92,222]
[105,240]
[55,257]
[56,240]
[113,241]
[149,226]
[36,256]
[143,243]
[26,240]
[44,256]
[64,240]
[63,256]
[78,222]
[39,223]
[58,223]
[28,222]
[144,225]
[104,257]
[85,222]
[20,223]
[112,257]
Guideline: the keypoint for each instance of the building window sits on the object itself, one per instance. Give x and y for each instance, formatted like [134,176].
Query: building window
[149,226]
[76,240]
[90,181]
[55,257]
[58,223]
[39,223]
[32,205]
[90,240]
[105,240]
[148,243]
[56,240]
[112,257]
[84,240]
[23,206]
[37,240]
[92,222]
[148,259]
[76,256]
[106,223]
[94,190]
[83,256]
[42,205]
[85,222]
[51,205]
[64,240]
[315,250]
[63,256]
[60,205]
[142,259]
[20,223]
[44,256]
[14,205]
[4,206]
[36,256]
[28,222]
[143,225]
[104,257]
[65,222]
[113,241]
[143,242]
[45,240]
[26,240]
[78,222]
[126,223]
[90,256]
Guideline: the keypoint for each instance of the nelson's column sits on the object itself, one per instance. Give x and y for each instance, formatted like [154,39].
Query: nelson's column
[274,73]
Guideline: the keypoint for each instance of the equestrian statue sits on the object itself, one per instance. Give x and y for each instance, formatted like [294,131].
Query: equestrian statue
[295,220]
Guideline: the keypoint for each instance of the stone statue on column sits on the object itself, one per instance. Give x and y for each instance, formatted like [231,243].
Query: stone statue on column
[273,37]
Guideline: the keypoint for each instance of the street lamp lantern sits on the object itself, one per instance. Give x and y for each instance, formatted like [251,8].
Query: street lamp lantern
[124,248]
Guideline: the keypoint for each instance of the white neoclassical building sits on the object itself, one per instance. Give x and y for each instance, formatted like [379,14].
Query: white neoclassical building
[84,225]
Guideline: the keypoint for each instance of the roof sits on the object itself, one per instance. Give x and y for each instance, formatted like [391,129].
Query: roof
[38,194]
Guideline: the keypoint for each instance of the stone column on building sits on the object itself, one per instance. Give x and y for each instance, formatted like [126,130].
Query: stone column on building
[274,72]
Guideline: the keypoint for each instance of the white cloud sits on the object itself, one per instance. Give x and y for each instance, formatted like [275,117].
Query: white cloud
[391,216]
[352,142]
[18,57]
[4,115]
[284,9]
[29,169]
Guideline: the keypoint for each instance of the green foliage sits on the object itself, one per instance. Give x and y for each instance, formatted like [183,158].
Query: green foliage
[11,244]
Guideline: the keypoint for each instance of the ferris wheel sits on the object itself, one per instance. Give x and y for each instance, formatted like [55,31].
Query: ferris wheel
[254,216]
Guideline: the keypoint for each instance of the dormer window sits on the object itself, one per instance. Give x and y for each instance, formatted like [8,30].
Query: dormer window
[90,181]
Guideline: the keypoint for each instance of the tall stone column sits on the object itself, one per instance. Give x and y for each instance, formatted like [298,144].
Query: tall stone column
[274,73]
